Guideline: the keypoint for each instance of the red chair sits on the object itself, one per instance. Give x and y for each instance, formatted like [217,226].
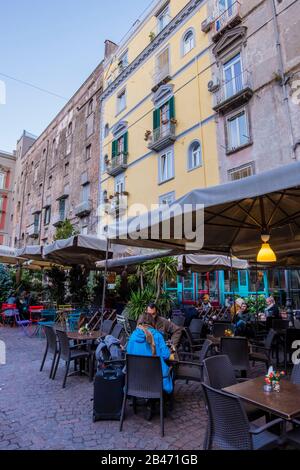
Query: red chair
[8,310]
[34,311]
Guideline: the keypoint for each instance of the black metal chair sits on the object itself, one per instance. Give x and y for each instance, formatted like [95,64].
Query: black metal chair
[107,327]
[117,331]
[70,353]
[218,372]
[229,427]
[279,324]
[196,327]
[219,328]
[178,320]
[237,349]
[143,380]
[51,347]
[190,366]
[262,351]
[295,376]
[188,343]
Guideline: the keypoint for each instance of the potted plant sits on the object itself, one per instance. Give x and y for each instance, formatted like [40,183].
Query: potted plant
[173,121]
[147,135]
[272,380]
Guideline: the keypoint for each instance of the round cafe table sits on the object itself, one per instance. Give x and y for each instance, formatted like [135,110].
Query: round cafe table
[93,335]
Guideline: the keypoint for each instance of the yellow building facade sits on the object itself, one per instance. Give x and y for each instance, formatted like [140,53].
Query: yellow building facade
[158,126]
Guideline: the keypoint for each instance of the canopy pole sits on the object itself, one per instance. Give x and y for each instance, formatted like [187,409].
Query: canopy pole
[232,283]
[256,295]
[104,283]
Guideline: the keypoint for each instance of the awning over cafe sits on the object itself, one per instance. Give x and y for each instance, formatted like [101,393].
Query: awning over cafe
[235,216]
[206,263]
[117,263]
[79,249]
[31,252]
[8,255]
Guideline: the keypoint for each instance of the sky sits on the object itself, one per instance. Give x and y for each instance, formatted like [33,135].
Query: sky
[55,45]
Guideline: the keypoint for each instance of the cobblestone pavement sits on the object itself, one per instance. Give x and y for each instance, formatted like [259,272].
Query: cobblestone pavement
[36,413]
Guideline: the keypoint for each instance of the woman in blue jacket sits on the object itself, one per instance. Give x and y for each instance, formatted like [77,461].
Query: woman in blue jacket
[147,341]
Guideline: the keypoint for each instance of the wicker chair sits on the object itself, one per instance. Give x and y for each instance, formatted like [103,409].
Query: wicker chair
[70,353]
[219,328]
[218,373]
[295,376]
[229,427]
[196,327]
[262,351]
[237,349]
[143,380]
[51,347]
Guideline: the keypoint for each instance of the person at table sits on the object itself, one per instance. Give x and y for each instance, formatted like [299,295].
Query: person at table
[272,309]
[206,305]
[241,317]
[163,325]
[146,340]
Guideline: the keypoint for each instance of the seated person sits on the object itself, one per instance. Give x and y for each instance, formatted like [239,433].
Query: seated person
[147,341]
[272,310]
[242,319]
[163,325]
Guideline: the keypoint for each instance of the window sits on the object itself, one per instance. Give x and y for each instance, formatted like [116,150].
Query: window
[28,198]
[233,76]
[85,193]
[188,42]
[120,184]
[121,101]
[162,65]
[36,222]
[241,172]
[67,167]
[88,152]
[47,215]
[120,146]
[70,129]
[90,107]
[106,130]
[167,199]
[2,180]
[194,155]
[162,117]
[104,196]
[237,131]
[62,208]
[166,166]
[123,61]
[40,189]
[49,182]
[163,19]
[84,230]
[1,203]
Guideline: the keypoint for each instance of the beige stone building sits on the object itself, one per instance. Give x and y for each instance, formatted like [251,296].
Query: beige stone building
[57,177]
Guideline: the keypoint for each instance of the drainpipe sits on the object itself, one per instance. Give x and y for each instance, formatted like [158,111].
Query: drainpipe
[284,85]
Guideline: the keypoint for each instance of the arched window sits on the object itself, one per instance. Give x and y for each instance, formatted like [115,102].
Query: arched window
[188,42]
[194,155]
[104,196]
[106,130]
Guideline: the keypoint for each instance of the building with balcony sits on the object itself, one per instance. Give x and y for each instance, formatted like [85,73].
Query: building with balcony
[255,67]
[157,122]
[58,172]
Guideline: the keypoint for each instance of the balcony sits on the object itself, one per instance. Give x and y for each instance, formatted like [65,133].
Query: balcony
[59,219]
[163,136]
[226,19]
[33,231]
[118,206]
[83,209]
[117,165]
[161,77]
[234,92]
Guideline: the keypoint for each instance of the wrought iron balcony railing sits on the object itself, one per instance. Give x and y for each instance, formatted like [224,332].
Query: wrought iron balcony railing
[225,18]
[233,92]
[163,136]
[117,164]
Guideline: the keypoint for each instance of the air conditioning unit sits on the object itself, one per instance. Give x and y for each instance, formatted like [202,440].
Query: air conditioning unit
[206,24]
[213,85]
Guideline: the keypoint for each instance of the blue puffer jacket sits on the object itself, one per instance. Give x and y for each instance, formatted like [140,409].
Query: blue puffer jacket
[138,345]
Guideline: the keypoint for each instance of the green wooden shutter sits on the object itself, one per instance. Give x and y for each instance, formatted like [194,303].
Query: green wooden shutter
[156,119]
[114,148]
[172,107]
[125,143]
